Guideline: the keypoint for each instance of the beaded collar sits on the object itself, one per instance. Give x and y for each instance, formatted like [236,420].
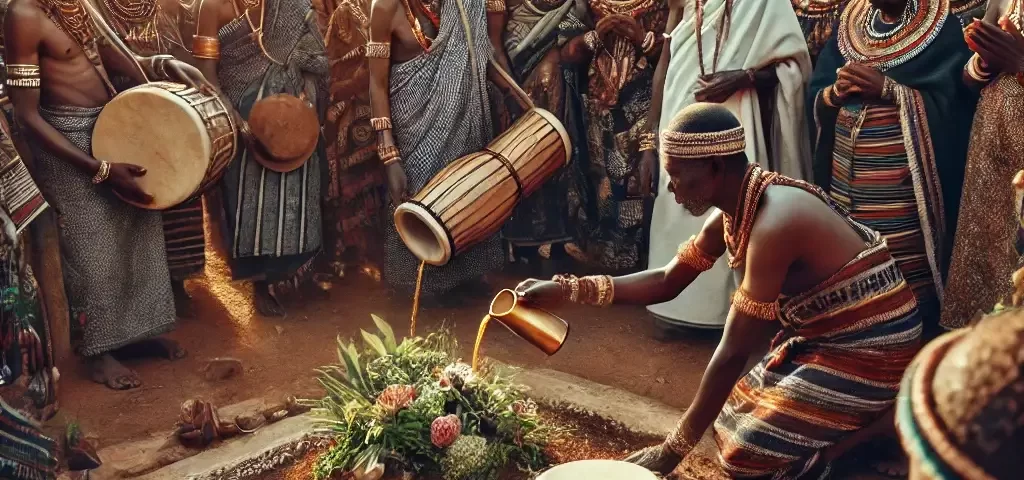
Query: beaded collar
[738,227]
[918,27]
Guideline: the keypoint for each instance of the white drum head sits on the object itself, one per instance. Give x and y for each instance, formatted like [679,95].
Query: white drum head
[598,470]
[422,234]
[155,129]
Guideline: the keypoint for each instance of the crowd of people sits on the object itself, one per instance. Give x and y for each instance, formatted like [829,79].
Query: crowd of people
[853,157]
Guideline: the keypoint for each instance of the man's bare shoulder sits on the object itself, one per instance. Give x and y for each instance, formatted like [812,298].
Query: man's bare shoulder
[384,7]
[24,13]
[785,212]
[676,4]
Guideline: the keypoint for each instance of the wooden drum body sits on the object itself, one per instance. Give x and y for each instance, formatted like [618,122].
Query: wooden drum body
[184,139]
[470,199]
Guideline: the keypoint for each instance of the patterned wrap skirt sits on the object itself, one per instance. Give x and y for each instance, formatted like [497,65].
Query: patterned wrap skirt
[871,179]
[839,370]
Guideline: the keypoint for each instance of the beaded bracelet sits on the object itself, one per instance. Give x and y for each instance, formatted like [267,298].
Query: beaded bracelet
[647,142]
[381,124]
[495,6]
[378,50]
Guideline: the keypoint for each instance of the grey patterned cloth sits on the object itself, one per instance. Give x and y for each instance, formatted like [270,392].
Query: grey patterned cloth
[440,111]
[273,219]
[115,266]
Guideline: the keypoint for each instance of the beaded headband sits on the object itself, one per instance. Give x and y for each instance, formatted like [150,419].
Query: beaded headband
[703,145]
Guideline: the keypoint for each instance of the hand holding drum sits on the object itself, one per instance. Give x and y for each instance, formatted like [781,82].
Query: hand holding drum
[123,180]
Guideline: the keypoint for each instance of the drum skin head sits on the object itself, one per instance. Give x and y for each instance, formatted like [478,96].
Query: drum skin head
[422,234]
[598,470]
[159,131]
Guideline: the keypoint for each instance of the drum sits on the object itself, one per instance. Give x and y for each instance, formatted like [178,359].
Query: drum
[598,470]
[184,138]
[470,199]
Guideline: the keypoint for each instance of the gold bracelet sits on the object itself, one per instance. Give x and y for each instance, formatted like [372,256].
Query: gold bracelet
[23,76]
[975,71]
[378,50]
[753,308]
[676,442]
[387,153]
[381,124]
[592,40]
[206,48]
[692,256]
[391,160]
[647,142]
[888,89]
[495,6]
[102,174]
[828,96]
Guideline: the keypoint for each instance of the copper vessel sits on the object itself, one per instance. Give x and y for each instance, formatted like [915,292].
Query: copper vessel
[535,325]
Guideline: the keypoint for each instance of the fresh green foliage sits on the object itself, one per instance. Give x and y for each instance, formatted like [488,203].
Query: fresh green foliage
[370,414]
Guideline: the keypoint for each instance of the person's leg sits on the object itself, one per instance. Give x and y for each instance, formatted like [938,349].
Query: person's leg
[266,301]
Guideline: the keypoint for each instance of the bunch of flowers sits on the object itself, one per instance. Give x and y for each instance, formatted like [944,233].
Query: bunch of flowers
[414,407]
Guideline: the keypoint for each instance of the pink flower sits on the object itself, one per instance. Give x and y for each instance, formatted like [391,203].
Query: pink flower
[396,397]
[444,430]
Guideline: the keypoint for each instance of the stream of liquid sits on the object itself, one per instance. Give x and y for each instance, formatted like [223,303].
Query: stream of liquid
[416,300]
[479,339]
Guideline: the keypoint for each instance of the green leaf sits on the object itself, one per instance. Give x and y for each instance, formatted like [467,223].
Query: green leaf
[353,370]
[374,343]
[388,333]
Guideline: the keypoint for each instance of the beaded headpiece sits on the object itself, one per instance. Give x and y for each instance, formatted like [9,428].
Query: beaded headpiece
[703,145]
[702,130]
[959,411]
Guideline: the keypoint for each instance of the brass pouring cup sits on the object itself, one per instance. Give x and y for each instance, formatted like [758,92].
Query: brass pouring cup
[535,325]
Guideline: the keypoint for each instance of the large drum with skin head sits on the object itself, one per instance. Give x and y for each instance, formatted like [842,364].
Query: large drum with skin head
[184,139]
[470,199]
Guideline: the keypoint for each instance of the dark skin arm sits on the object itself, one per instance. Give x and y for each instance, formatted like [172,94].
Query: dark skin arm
[23,27]
[999,44]
[769,258]
[381,19]
[496,31]
[649,160]
[643,288]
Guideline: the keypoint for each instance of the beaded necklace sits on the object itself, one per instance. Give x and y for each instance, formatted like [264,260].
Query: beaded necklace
[723,31]
[861,42]
[739,225]
[135,23]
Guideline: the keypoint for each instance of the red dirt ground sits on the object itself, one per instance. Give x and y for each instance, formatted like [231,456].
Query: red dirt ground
[612,346]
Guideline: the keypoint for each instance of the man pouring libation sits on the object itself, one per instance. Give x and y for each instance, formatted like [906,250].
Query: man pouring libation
[844,320]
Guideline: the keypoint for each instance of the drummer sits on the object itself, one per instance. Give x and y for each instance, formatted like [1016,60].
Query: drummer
[851,323]
[183,224]
[114,258]
[271,192]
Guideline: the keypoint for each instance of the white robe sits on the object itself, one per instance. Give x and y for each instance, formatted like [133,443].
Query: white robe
[763,32]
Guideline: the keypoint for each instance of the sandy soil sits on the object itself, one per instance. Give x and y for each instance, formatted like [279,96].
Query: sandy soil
[613,346]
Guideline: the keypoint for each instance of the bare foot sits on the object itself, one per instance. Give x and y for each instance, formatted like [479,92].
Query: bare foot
[656,459]
[182,300]
[108,371]
[154,347]
[265,301]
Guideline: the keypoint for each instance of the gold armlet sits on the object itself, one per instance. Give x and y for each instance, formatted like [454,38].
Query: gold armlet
[692,256]
[206,48]
[102,174]
[380,124]
[753,308]
[378,50]
[23,76]
[495,6]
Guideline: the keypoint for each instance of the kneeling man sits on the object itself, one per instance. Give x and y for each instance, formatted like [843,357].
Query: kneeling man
[845,322]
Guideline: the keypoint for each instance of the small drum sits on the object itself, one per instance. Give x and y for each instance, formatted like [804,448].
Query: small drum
[598,470]
[470,199]
[182,137]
